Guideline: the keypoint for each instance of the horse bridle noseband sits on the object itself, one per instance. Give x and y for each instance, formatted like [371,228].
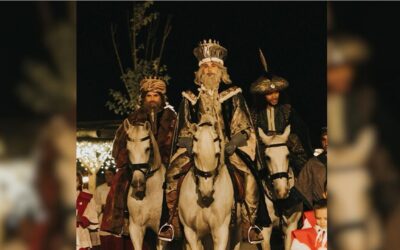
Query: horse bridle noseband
[140,166]
[279,174]
[207,174]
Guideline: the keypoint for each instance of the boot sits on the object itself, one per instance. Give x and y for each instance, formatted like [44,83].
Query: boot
[171,230]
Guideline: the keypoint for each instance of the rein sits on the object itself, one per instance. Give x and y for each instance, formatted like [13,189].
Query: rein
[140,166]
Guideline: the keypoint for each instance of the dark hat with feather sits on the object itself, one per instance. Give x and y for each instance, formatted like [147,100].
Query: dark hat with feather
[268,83]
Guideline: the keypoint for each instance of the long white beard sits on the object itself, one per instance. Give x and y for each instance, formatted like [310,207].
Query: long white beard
[211,81]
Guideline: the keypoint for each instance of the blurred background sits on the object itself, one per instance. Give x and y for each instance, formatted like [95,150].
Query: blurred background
[363,159]
[37,125]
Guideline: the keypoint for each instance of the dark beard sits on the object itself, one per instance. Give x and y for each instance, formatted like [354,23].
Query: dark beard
[148,107]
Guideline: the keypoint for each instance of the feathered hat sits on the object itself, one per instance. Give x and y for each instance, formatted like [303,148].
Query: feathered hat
[268,82]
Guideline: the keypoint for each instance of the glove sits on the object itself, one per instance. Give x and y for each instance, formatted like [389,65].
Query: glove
[186,142]
[237,140]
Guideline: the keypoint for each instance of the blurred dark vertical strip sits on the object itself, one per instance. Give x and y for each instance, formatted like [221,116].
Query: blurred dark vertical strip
[37,125]
[363,159]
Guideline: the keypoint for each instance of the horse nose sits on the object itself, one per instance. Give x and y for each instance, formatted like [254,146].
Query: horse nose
[140,195]
[207,200]
[282,194]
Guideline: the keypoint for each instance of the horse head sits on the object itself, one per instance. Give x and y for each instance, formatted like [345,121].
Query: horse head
[277,158]
[143,155]
[207,159]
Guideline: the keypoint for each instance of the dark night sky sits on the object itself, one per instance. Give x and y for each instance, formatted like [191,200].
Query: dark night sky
[292,36]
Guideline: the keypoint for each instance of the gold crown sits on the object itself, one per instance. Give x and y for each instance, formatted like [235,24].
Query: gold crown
[152,77]
[154,84]
[210,51]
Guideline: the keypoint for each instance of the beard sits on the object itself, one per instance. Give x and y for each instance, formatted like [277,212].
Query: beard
[211,81]
[149,106]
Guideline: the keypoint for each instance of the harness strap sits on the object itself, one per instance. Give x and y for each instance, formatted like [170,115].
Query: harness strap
[276,145]
[279,175]
[248,212]
[149,173]
[205,174]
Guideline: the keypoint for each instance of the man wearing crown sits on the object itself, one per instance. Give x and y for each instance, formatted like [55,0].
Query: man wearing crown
[272,114]
[233,124]
[156,110]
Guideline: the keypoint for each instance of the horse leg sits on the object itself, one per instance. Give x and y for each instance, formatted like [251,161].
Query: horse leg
[266,233]
[137,234]
[291,226]
[192,239]
[220,235]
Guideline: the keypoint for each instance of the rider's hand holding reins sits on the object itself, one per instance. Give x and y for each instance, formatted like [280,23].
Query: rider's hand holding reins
[237,140]
[186,142]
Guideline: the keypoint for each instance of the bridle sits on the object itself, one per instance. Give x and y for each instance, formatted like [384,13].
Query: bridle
[141,167]
[278,175]
[207,174]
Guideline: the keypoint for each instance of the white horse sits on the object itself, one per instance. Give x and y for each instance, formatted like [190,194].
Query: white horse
[206,196]
[145,193]
[281,180]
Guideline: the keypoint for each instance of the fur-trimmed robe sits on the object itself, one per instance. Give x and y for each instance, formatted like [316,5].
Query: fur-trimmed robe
[113,217]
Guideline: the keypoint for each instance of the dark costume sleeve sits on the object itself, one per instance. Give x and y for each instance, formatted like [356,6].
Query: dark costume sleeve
[304,183]
[299,142]
[165,134]
[119,151]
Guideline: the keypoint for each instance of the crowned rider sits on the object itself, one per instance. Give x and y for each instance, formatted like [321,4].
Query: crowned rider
[228,108]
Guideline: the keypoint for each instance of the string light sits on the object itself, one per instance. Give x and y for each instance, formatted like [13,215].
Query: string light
[95,155]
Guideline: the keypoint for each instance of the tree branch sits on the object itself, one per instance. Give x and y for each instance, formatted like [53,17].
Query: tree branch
[167,30]
[116,50]
[134,60]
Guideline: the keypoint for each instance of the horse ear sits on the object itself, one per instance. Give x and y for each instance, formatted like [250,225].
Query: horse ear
[265,138]
[286,133]
[127,124]
[147,126]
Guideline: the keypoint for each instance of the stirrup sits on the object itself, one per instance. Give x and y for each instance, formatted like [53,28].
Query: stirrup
[166,225]
[255,227]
